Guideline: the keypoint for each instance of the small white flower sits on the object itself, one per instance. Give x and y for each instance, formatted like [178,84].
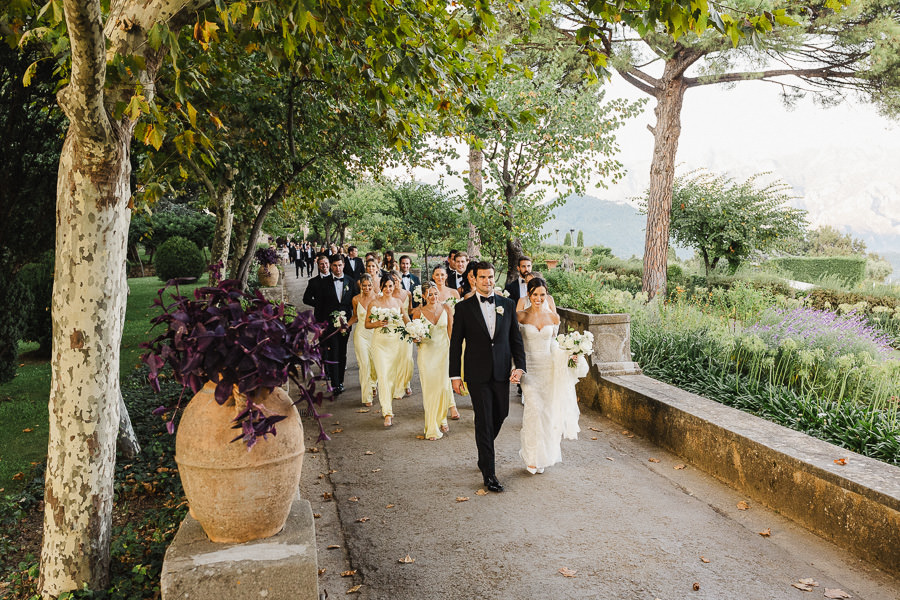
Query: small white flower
[499,310]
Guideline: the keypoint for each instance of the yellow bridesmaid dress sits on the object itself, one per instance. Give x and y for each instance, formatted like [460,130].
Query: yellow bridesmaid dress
[362,342]
[384,350]
[434,375]
[405,358]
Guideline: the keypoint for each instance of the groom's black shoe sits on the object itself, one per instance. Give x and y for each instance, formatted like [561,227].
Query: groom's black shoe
[492,484]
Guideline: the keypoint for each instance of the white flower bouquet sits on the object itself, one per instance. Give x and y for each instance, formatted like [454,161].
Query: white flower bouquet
[417,294]
[575,344]
[391,315]
[339,321]
[501,291]
[416,331]
[451,301]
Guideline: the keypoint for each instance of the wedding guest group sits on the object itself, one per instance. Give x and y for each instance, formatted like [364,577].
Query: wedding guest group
[466,336]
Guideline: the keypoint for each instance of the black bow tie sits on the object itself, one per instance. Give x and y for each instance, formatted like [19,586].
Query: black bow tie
[406,276]
[488,299]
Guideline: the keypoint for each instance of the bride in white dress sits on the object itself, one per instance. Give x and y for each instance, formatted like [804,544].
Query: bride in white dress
[548,387]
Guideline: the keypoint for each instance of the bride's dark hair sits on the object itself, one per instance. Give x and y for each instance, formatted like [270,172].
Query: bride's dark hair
[535,283]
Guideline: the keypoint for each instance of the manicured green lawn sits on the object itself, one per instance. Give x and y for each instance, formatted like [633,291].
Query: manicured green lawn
[23,401]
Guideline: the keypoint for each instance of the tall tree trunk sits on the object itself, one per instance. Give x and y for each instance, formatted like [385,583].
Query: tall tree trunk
[127,442]
[662,174]
[240,233]
[224,221]
[476,178]
[243,272]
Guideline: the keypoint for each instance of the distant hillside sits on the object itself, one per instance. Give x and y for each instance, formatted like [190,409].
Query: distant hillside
[894,259]
[613,224]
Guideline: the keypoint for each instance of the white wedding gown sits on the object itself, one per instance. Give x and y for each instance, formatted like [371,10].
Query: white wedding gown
[548,392]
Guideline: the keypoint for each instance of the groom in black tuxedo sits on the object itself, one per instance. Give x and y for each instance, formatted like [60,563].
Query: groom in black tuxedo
[326,295]
[487,323]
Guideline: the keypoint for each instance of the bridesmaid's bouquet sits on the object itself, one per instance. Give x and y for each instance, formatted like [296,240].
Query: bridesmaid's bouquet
[576,343]
[416,331]
[391,315]
[451,301]
[339,321]
[417,294]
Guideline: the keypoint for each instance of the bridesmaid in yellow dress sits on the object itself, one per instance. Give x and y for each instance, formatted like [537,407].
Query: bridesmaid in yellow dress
[362,337]
[384,350]
[434,362]
[406,357]
[439,276]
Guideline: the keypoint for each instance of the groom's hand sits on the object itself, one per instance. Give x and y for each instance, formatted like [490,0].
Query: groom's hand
[457,386]
[516,376]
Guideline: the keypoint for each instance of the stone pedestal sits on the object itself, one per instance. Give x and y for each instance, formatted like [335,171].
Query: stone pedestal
[612,340]
[279,567]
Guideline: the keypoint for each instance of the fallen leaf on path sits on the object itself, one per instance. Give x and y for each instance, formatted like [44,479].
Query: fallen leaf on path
[389,506]
[362,519]
[462,498]
[321,475]
[696,586]
[742,505]
[407,560]
[18,476]
[312,449]
[610,458]
[333,547]
[322,571]
[354,589]
[27,430]
[339,430]
[326,496]
[593,429]
[332,472]
[317,515]
[836,593]
[809,581]
[420,437]
[703,559]
[363,410]
[766,532]
[353,498]
[480,492]
[593,438]
[348,573]
[567,572]
[375,470]
[653,460]
[368,453]
[840,461]
[678,467]
[806,584]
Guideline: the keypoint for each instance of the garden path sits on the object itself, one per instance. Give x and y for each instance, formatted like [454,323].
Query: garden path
[628,526]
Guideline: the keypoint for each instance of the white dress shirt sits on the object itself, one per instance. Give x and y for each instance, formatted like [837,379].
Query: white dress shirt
[489,312]
[406,281]
[338,287]
[523,288]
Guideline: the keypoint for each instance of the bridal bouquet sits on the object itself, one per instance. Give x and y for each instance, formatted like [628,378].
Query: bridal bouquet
[576,344]
[417,294]
[416,330]
[391,315]
[339,321]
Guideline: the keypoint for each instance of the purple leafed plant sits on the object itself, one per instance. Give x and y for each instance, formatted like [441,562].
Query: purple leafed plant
[239,340]
[266,257]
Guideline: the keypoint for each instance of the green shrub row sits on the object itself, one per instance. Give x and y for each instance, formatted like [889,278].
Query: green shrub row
[851,269]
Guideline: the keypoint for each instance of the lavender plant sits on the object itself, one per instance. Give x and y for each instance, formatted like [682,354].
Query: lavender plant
[244,344]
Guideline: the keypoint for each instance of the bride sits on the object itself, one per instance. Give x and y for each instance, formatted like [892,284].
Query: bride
[548,387]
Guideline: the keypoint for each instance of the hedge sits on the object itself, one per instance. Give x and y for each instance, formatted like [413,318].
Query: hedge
[852,269]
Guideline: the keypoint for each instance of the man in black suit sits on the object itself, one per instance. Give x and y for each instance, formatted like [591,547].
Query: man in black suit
[354,266]
[408,281]
[456,278]
[487,323]
[327,295]
[517,287]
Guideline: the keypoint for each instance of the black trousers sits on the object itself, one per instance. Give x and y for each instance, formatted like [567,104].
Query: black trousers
[298,264]
[336,355]
[309,266]
[490,401]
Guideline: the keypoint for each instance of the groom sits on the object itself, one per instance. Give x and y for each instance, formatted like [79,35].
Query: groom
[487,323]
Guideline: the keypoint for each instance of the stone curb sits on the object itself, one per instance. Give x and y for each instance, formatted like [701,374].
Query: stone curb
[855,505]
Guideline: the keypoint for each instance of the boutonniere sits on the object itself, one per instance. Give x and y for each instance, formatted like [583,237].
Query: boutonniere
[499,310]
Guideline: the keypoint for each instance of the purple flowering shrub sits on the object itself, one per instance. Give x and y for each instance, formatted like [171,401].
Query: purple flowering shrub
[242,342]
[266,257]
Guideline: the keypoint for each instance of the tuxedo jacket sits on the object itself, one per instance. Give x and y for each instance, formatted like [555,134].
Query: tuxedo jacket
[413,282]
[354,272]
[292,254]
[486,358]
[453,278]
[321,296]
[513,288]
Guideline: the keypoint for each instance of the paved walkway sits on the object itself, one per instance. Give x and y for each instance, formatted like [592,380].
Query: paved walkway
[619,513]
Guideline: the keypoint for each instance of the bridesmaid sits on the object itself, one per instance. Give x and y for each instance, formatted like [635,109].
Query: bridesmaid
[406,356]
[434,362]
[362,338]
[384,350]
[439,276]
[374,272]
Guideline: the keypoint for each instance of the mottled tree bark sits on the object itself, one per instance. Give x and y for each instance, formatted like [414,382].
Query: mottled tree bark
[90,289]
[476,179]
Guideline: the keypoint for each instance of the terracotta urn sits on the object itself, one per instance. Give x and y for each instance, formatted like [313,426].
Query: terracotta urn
[268,276]
[236,494]
[551,263]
